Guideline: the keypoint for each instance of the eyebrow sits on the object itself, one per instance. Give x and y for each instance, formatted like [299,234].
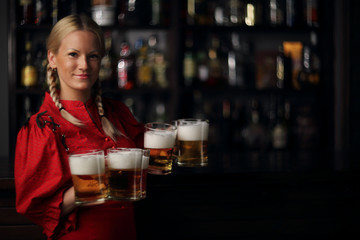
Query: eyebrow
[73,49]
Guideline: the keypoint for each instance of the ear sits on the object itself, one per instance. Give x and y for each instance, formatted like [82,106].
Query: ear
[51,59]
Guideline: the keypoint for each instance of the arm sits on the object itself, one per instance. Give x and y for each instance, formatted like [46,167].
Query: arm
[68,203]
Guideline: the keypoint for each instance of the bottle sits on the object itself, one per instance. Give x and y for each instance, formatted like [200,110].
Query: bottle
[144,70]
[26,12]
[235,61]
[129,13]
[103,12]
[156,10]
[202,68]
[283,69]
[215,67]
[275,13]
[40,63]
[279,136]
[254,133]
[236,12]
[42,10]
[309,75]
[107,69]
[28,71]
[125,68]
[189,62]
[311,13]
[250,13]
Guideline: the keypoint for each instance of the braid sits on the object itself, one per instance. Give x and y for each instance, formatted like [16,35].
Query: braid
[109,129]
[51,80]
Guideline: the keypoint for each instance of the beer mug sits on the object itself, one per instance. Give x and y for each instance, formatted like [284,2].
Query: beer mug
[160,138]
[192,140]
[124,172]
[89,177]
[144,171]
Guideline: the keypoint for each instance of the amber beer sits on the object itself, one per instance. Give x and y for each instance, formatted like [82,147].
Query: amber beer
[124,173]
[160,138]
[88,175]
[144,171]
[192,139]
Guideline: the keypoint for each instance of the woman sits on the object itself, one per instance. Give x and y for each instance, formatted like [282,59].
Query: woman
[71,118]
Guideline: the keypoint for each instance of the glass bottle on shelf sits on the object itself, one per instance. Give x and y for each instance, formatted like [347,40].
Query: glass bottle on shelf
[312,13]
[41,65]
[254,132]
[236,12]
[156,12]
[202,68]
[275,13]
[236,64]
[144,71]
[283,69]
[42,12]
[29,73]
[26,12]
[250,13]
[125,68]
[189,62]
[279,137]
[103,12]
[215,66]
[309,76]
[107,68]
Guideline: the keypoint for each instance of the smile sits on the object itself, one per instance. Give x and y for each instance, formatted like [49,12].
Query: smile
[82,76]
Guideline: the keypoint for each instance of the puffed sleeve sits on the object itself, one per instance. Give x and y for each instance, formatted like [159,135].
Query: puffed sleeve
[41,176]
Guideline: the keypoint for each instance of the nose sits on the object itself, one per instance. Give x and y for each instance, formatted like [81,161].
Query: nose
[83,63]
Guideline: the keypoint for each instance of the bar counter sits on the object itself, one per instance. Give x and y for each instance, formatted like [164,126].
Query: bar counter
[225,202]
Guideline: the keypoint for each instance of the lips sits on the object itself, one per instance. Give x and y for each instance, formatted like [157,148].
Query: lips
[82,76]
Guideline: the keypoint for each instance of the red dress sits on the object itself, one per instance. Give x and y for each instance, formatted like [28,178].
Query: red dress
[42,171]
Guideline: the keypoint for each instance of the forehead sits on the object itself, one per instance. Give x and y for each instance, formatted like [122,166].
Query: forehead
[80,39]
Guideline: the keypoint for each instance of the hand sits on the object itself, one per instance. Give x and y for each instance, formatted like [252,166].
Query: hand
[68,201]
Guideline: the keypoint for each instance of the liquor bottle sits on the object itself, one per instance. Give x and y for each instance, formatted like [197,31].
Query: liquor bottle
[107,68]
[125,68]
[42,12]
[214,63]
[250,13]
[40,63]
[236,69]
[283,69]
[144,71]
[236,12]
[156,10]
[129,12]
[275,13]
[103,12]
[293,17]
[279,136]
[202,68]
[28,71]
[26,12]
[309,76]
[189,62]
[311,13]
[254,133]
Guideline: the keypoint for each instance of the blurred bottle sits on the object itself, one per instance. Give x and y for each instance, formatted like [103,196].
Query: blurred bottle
[312,13]
[107,66]
[275,12]
[236,77]
[214,63]
[279,136]
[42,12]
[40,62]
[283,69]
[26,12]
[309,76]
[293,13]
[189,62]
[254,132]
[251,13]
[202,68]
[29,75]
[126,68]
[236,12]
[103,12]
[156,17]
[144,71]
[133,12]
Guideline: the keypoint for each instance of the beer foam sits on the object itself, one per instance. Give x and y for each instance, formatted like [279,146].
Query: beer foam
[86,165]
[193,132]
[145,162]
[159,139]
[124,160]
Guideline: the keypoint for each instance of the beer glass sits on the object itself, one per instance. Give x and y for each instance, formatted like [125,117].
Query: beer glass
[124,171]
[192,140]
[160,138]
[144,171]
[88,175]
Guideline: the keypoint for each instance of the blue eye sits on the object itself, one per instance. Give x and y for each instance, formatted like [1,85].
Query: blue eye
[73,54]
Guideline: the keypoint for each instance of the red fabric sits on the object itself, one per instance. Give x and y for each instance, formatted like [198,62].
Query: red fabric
[42,172]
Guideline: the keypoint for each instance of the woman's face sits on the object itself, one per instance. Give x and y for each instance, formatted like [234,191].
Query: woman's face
[77,62]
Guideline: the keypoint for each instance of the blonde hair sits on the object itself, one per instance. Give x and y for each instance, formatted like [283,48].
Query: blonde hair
[60,30]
